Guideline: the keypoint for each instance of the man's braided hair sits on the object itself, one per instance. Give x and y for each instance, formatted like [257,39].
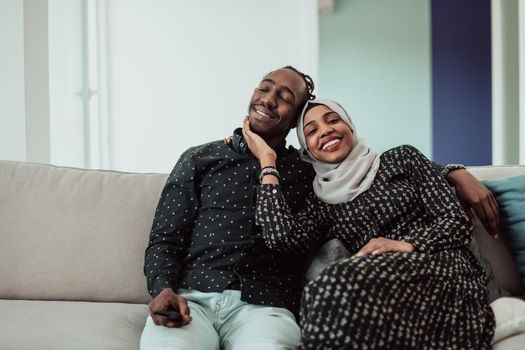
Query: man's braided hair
[307,80]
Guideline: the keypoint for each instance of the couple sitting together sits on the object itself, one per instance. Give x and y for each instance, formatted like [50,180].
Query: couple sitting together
[237,220]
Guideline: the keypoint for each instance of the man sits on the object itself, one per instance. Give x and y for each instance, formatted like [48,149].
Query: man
[205,259]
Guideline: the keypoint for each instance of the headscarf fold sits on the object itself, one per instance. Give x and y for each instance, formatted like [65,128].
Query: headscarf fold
[341,182]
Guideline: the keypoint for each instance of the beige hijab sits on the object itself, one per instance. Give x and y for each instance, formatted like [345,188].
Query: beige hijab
[342,182]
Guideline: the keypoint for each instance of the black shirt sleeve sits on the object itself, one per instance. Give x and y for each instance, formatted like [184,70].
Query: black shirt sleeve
[172,226]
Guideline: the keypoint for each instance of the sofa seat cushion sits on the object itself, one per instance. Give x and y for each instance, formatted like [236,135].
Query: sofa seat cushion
[55,325]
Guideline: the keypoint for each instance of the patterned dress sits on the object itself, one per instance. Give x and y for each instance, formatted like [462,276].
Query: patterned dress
[433,298]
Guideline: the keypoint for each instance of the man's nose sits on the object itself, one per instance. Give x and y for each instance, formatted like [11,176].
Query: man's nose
[269,100]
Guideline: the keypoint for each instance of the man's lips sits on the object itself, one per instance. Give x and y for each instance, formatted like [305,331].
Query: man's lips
[264,112]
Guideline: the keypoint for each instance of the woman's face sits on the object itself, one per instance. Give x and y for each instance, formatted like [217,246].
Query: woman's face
[328,138]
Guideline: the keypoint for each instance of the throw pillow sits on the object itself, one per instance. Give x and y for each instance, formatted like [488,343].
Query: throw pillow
[510,194]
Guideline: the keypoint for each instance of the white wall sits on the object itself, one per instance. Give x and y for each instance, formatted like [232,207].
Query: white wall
[12,94]
[505,81]
[65,83]
[182,72]
[521,107]
[375,60]
[36,76]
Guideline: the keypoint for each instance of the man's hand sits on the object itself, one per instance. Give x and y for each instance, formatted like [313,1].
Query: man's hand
[168,300]
[384,245]
[474,196]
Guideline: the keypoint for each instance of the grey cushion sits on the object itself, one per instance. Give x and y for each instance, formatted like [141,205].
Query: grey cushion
[328,253]
[56,325]
[494,290]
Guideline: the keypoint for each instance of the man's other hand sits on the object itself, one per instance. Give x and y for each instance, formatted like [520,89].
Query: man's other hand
[167,299]
[474,196]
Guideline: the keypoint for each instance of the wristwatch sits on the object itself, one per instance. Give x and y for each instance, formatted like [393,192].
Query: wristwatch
[450,167]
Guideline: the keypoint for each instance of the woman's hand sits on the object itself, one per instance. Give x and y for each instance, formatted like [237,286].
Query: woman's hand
[384,245]
[258,146]
[474,196]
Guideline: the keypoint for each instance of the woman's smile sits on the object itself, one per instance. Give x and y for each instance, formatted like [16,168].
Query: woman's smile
[331,144]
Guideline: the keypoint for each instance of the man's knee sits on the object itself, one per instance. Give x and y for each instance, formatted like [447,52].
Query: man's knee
[267,328]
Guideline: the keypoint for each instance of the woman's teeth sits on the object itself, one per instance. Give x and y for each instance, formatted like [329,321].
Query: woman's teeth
[330,143]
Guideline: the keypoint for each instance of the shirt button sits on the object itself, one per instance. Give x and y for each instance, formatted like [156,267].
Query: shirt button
[274,191]
[241,144]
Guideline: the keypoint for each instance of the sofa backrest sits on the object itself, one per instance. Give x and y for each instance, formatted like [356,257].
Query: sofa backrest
[74,234]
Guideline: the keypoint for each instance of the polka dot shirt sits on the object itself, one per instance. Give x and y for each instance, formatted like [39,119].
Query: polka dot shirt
[204,237]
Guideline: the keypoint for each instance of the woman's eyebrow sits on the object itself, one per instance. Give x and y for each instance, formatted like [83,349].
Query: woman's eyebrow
[323,116]
[328,114]
[310,122]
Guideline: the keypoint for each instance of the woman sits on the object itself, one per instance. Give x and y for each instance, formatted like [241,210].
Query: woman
[411,283]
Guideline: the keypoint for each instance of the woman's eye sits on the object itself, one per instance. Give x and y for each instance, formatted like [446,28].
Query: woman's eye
[311,132]
[333,121]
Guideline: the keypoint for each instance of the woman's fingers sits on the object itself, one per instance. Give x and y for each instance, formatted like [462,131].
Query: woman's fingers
[245,127]
[495,207]
[495,210]
[491,210]
[366,249]
[382,245]
[380,250]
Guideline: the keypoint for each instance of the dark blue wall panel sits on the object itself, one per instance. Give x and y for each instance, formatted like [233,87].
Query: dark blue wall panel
[461,82]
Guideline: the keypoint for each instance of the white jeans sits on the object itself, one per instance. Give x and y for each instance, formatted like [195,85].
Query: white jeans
[223,321]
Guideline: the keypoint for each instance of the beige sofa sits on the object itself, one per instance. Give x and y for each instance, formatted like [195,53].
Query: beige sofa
[71,255]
